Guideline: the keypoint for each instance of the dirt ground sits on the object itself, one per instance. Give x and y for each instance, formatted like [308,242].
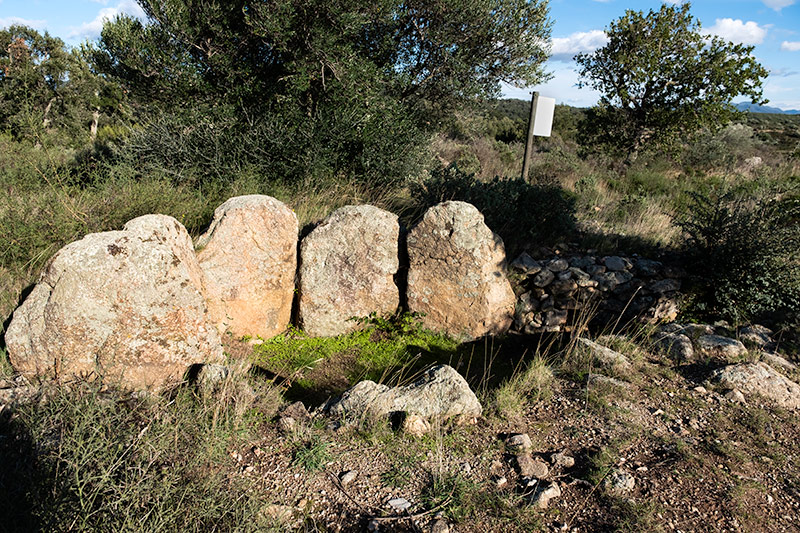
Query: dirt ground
[700,462]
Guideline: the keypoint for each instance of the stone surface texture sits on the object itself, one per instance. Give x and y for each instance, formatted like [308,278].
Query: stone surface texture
[248,258]
[759,378]
[439,392]
[347,270]
[123,305]
[719,347]
[457,274]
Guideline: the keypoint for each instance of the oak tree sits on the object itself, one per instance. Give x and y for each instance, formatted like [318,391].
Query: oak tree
[661,79]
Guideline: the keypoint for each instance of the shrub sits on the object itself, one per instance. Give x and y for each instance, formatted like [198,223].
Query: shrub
[521,213]
[743,255]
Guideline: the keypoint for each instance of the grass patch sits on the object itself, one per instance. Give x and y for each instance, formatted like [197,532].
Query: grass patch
[377,349]
[531,385]
[635,517]
[312,455]
[90,460]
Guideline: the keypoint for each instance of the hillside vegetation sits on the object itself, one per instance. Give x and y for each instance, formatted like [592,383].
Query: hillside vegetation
[326,104]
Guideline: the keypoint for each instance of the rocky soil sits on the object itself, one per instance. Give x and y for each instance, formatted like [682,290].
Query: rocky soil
[660,446]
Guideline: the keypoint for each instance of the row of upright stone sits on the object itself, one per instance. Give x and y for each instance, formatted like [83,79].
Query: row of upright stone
[141,305]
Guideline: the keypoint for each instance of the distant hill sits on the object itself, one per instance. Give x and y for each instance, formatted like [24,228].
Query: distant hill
[753,108]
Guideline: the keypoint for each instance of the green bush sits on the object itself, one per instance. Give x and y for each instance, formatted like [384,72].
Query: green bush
[743,255]
[523,214]
[203,145]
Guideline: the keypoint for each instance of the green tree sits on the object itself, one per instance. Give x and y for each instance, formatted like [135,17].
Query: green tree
[46,88]
[661,78]
[357,85]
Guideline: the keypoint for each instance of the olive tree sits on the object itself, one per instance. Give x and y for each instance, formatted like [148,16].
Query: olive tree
[661,79]
[340,86]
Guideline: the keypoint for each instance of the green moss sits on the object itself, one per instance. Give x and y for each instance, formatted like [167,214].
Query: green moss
[382,345]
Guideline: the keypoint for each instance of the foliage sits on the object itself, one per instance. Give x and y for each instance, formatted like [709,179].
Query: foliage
[46,88]
[320,89]
[312,455]
[86,460]
[661,79]
[520,212]
[743,254]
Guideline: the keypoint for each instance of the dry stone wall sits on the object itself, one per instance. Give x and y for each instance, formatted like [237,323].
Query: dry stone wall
[140,306]
[561,291]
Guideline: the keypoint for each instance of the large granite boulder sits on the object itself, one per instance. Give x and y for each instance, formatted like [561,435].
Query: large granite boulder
[122,305]
[439,392]
[456,275]
[249,258]
[347,268]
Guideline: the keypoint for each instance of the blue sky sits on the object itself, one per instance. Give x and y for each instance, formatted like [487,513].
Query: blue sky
[773,26]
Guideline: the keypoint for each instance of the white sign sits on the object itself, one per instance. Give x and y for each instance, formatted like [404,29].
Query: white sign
[543,116]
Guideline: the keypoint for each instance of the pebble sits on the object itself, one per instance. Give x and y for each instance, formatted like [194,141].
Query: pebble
[530,467]
[399,504]
[348,477]
[563,460]
[542,496]
[519,443]
[440,526]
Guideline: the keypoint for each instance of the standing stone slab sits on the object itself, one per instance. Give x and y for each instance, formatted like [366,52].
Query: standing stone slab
[457,275]
[249,258]
[347,268]
[123,305]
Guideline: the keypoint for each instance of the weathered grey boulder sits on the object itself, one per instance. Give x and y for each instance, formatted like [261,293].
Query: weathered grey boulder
[248,258]
[347,268]
[439,392]
[755,335]
[759,378]
[456,274]
[122,305]
[719,347]
[677,346]
[606,356]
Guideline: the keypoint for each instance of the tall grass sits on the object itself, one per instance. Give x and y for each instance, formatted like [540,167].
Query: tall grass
[84,459]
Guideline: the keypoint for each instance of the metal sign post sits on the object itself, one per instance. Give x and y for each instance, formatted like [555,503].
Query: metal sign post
[540,124]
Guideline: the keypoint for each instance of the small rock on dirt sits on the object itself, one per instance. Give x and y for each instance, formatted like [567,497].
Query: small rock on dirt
[542,495]
[519,443]
[620,482]
[399,504]
[562,459]
[530,467]
[348,477]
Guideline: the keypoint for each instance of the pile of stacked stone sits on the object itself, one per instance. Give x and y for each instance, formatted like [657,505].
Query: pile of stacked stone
[558,293]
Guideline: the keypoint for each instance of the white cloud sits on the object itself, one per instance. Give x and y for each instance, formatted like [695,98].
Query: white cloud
[564,48]
[777,5]
[790,46]
[737,31]
[91,30]
[563,87]
[35,24]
